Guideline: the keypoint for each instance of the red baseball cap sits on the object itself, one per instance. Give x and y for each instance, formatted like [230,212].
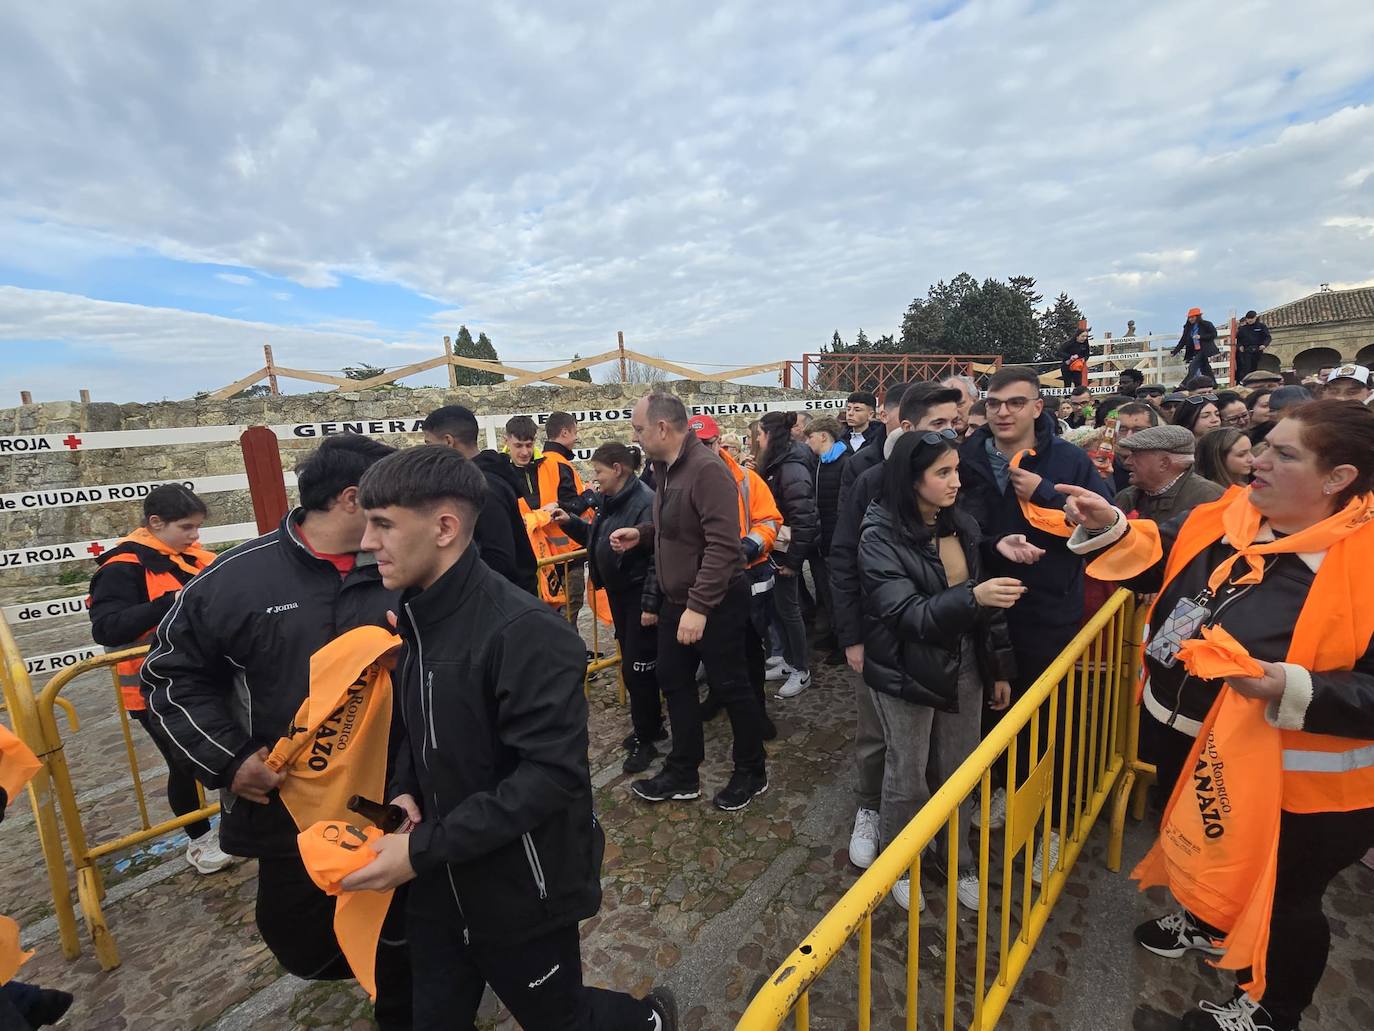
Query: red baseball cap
[705,427]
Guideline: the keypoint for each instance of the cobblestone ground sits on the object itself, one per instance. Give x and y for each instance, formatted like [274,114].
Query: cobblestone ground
[701,900]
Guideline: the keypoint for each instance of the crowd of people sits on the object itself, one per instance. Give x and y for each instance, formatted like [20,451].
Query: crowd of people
[945,543]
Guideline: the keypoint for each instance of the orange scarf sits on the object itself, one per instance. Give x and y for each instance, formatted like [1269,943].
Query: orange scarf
[144,537]
[338,739]
[1219,856]
[1050,520]
[331,850]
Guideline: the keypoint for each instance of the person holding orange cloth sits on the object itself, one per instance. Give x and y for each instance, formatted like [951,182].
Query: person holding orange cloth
[135,586]
[1270,777]
[502,848]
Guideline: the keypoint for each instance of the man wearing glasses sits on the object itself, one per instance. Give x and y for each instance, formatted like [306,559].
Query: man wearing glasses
[1049,614]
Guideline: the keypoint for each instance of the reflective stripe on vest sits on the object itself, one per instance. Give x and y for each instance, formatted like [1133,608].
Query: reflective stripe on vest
[1299,761]
[127,672]
[559,542]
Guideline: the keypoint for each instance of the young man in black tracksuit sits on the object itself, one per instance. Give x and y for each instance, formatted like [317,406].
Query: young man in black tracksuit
[500,534]
[501,849]
[229,669]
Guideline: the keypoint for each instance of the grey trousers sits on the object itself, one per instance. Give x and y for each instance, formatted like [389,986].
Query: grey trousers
[925,746]
[870,748]
[787,604]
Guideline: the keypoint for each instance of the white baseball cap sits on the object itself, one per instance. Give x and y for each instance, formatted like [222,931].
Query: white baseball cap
[1359,373]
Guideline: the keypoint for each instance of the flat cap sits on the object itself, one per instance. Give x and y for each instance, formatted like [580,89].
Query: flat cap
[1174,439]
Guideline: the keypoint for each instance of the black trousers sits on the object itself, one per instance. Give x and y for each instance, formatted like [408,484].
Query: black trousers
[182,795]
[539,981]
[296,921]
[638,662]
[1198,366]
[1313,849]
[1247,361]
[722,650]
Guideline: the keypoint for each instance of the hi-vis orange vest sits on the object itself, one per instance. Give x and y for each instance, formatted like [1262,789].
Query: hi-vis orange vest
[546,536]
[18,764]
[157,585]
[759,517]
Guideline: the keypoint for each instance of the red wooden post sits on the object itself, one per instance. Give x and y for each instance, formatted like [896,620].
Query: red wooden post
[262,460]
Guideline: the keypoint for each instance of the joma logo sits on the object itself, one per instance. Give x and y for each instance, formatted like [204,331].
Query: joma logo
[272,610]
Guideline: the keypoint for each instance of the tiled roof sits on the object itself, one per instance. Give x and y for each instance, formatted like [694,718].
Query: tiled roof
[1323,306]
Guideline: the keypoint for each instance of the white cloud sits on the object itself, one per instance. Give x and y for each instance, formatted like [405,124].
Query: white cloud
[728,182]
[235,278]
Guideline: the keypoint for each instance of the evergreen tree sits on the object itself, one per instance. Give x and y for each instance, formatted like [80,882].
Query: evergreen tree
[1058,322]
[465,347]
[584,375]
[862,344]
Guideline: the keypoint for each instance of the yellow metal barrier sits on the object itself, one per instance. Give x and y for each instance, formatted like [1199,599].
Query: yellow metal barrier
[1136,776]
[597,663]
[1075,763]
[90,887]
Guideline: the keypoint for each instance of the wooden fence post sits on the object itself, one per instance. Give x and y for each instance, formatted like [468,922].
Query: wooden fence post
[266,484]
[620,341]
[452,369]
[271,369]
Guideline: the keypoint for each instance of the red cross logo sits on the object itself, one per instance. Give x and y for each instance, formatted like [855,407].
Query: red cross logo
[72,441]
[95,549]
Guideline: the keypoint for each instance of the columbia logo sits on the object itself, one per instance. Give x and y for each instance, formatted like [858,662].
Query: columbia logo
[272,610]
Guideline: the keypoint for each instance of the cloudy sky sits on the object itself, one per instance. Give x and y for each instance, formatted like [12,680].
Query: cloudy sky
[727,183]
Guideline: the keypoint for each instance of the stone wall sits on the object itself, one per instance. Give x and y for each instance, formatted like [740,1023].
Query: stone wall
[64,469]
[1348,338]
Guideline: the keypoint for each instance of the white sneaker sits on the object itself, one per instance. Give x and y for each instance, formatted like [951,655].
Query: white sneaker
[779,672]
[863,841]
[997,810]
[796,683]
[1040,855]
[967,891]
[206,856]
[901,892]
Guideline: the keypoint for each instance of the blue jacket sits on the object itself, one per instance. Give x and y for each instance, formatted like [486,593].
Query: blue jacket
[1048,615]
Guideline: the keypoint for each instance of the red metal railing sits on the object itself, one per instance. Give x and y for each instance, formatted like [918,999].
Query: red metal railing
[877,372]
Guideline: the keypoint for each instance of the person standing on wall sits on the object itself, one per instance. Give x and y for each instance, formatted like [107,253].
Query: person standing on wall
[227,673]
[695,535]
[786,468]
[624,576]
[1198,343]
[500,535]
[137,583]
[1252,340]
[501,846]
[1073,357]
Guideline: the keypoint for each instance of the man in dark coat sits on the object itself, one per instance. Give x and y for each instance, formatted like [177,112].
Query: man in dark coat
[1198,343]
[1252,340]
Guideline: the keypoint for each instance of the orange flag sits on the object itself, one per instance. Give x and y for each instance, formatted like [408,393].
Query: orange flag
[331,850]
[1217,655]
[1050,520]
[12,957]
[338,740]
[18,764]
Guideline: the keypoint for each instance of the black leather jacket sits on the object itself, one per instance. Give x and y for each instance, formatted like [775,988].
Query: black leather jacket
[492,728]
[629,507]
[789,476]
[916,622]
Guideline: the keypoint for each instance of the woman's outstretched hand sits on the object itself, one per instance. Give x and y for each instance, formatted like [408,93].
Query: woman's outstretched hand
[1014,547]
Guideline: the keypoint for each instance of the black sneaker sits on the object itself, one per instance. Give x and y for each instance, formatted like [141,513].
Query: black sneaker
[629,743]
[667,786]
[641,757]
[743,788]
[50,1007]
[1173,935]
[1240,1014]
[664,1005]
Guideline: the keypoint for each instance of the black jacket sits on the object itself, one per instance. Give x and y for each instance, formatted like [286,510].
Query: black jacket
[1207,339]
[788,475]
[828,477]
[492,725]
[119,607]
[1072,348]
[916,621]
[843,559]
[1253,338]
[231,664]
[1261,617]
[873,435]
[500,533]
[630,507]
[526,484]
[1053,603]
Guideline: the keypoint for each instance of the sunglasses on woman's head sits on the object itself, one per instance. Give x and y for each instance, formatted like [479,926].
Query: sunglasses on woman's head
[936,436]
[1198,399]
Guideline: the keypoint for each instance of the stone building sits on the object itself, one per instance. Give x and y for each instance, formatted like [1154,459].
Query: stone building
[1325,328]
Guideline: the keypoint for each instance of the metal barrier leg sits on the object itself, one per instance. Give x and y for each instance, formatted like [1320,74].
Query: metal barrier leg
[50,841]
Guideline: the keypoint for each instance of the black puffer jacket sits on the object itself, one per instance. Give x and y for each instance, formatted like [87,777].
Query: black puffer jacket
[915,621]
[788,475]
[828,477]
[501,536]
[629,507]
[493,745]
